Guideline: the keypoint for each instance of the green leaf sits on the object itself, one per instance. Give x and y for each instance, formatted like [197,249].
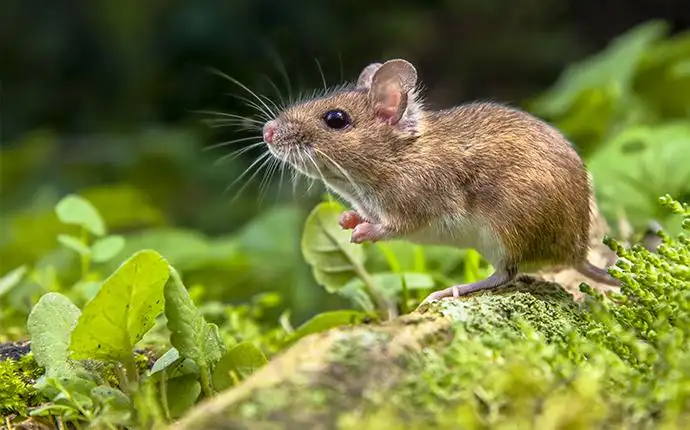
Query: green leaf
[111,397]
[327,248]
[12,279]
[639,164]
[50,324]
[166,360]
[614,67]
[242,360]
[73,209]
[123,310]
[74,243]
[182,393]
[117,407]
[106,248]
[190,333]
[326,321]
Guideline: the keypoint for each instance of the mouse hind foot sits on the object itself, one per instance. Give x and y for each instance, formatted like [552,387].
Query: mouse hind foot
[497,279]
[597,274]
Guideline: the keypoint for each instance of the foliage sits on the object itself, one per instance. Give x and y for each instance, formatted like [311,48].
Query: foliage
[626,109]
[91,371]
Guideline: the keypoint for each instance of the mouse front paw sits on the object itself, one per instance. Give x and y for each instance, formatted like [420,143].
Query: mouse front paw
[350,220]
[367,231]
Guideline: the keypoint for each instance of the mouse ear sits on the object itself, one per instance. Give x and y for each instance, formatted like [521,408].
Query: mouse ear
[364,80]
[389,90]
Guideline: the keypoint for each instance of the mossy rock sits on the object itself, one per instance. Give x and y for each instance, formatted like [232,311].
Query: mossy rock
[419,370]
[527,356]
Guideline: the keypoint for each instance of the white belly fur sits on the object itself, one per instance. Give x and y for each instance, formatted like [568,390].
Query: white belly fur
[463,232]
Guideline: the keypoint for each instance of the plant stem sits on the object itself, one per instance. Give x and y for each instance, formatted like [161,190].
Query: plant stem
[132,375]
[405,294]
[122,379]
[385,310]
[205,383]
[164,394]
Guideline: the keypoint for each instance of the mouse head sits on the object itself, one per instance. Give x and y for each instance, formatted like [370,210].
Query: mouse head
[350,134]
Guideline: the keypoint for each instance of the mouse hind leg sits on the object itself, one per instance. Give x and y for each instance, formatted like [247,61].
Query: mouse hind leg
[495,280]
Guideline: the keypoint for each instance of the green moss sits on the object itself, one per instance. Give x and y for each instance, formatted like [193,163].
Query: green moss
[524,357]
[16,385]
[537,361]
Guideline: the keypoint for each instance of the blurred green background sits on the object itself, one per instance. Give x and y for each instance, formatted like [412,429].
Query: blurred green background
[99,98]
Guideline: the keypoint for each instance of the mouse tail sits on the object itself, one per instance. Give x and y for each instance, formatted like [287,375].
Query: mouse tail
[597,274]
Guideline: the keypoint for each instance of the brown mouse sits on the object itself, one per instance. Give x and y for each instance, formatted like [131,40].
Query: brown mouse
[479,175]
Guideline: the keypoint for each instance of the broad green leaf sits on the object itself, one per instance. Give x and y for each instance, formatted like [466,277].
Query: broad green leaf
[326,321]
[123,310]
[74,243]
[117,407]
[50,324]
[614,67]
[74,209]
[639,164]
[327,248]
[106,248]
[190,334]
[166,360]
[112,397]
[182,393]
[242,360]
[12,279]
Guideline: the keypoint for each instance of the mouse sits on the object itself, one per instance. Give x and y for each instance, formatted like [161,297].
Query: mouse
[481,175]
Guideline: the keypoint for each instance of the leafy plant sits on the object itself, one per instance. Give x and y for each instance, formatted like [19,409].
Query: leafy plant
[93,369]
[626,109]
[382,276]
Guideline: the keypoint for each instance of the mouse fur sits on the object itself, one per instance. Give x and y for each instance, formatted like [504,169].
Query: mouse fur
[482,174]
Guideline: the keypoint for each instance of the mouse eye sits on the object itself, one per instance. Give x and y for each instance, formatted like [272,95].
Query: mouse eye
[336,119]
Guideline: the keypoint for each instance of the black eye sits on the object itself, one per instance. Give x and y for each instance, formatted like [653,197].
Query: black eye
[336,119]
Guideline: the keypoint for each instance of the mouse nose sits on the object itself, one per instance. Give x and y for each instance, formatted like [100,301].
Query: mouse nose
[269,131]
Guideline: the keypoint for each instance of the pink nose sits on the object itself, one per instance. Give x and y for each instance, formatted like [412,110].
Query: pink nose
[269,131]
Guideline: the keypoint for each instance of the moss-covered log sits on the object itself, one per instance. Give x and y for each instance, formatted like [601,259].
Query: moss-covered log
[527,356]
[346,375]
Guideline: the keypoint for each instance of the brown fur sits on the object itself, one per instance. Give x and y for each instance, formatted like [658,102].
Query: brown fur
[484,159]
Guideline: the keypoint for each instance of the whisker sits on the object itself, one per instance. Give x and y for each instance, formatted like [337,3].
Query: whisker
[278,62]
[236,153]
[275,106]
[266,180]
[278,93]
[230,142]
[259,159]
[229,115]
[342,171]
[235,125]
[244,87]
[323,77]
[265,114]
[282,172]
[313,184]
[256,172]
